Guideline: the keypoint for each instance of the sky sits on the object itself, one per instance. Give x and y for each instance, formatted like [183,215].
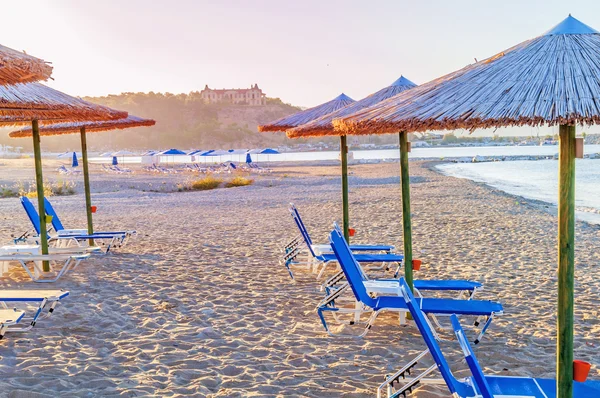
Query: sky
[304,52]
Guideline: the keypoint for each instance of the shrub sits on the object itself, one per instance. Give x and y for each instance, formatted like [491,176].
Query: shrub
[60,188]
[238,182]
[6,192]
[206,183]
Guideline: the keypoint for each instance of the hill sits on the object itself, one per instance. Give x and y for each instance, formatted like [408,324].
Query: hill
[182,121]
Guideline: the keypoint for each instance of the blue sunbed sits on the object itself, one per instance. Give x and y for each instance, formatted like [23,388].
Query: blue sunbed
[352,271]
[33,216]
[60,229]
[478,385]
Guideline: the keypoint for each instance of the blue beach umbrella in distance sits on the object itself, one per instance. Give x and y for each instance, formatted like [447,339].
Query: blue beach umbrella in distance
[171,152]
[75,162]
[114,161]
[269,151]
[248,158]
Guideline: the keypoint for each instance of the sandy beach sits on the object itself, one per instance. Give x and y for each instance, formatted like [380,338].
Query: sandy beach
[197,304]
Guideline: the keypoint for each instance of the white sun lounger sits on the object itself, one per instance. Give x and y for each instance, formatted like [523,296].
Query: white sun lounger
[9,318]
[43,299]
[32,264]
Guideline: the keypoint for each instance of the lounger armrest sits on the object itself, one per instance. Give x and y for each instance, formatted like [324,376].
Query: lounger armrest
[65,232]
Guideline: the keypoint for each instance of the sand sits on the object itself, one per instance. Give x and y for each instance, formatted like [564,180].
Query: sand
[197,305]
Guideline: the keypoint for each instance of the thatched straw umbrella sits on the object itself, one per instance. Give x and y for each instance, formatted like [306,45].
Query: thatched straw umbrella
[308,116]
[82,128]
[552,79]
[28,103]
[324,126]
[18,67]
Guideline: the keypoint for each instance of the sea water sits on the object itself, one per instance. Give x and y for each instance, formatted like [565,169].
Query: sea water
[536,180]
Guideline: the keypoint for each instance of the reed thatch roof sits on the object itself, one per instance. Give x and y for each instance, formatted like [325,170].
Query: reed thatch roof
[90,127]
[324,126]
[551,79]
[18,67]
[307,115]
[22,103]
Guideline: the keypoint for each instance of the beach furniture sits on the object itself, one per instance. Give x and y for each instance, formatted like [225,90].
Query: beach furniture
[318,261]
[326,248]
[42,298]
[9,318]
[59,264]
[79,240]
[61,231]
[375,305]
[477,385]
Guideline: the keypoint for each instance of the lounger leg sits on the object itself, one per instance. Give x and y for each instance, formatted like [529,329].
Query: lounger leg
[2,331]
[484,329]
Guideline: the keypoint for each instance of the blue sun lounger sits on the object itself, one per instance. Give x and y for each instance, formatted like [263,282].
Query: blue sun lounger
[65,241]
[43,299]
[9,318]
[376,305]
[60,229]
[478,385]
[324,259]
[327,248]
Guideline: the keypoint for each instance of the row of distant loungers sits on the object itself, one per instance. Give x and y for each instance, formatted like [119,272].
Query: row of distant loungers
[21,309]
[361,281]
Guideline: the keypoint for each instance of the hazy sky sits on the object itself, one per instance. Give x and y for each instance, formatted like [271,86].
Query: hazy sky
[305,52]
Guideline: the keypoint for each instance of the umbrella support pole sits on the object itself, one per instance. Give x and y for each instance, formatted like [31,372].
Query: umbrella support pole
[86,183]
[39,182]
[406,222]
[344,159]
[566,262]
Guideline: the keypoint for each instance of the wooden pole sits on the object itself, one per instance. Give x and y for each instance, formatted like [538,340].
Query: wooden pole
[344,158]
[39,182]
[86,183]
[566,262]
[406,223]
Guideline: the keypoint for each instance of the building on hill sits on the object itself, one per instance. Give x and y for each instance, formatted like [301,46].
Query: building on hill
[243,96]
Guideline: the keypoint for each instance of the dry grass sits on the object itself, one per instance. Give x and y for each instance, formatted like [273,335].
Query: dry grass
[238,182]
[206,183]
[60,188]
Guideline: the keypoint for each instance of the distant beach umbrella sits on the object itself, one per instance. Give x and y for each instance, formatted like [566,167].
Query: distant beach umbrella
[269,151]
[171,152]
[75,162]
[114,161]
[248,158]
[551,79]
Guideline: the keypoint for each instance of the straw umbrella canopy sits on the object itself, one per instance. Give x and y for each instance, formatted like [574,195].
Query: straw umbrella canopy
[31,102]
[310,115]
[18,67]
[83,128]
[324,126]
[552,79]
[307,115]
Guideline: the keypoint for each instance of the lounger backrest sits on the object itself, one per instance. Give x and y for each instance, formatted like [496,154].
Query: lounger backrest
[32,213]
[300,222]
[56,224]
[478,377]
[350,267]
[454,385]
[303,233]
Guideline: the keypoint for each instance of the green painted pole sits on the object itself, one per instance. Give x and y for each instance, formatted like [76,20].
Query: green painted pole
[86,183]
[344,158]
[39,182]
[566,262]
[406,223]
